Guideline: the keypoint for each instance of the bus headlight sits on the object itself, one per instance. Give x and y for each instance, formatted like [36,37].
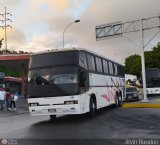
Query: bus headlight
[71,102]
[29,79]
[33,104]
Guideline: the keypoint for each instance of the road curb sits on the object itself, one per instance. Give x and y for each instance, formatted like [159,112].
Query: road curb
[8,114]
[140,105]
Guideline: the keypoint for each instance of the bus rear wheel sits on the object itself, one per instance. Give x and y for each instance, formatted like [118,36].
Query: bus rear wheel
[52,117]
[92,107]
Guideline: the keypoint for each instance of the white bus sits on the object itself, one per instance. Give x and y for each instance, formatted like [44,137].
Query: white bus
[73,81]
[153,81]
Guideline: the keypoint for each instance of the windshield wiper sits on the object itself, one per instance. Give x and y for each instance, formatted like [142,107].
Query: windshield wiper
[62,76]
[39,80]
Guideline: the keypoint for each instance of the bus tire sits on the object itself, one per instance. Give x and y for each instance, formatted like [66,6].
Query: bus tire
[52,117]
[92,107]
[120,99]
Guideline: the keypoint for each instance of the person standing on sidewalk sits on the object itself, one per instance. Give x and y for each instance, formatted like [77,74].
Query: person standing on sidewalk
[8,98]
[2,98]
[14,98]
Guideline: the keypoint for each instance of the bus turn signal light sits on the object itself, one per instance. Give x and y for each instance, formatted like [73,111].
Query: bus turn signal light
[33,104]
[71,102]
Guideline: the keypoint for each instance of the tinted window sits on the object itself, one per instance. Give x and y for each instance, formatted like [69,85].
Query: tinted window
[50,82]
[115,69]
[120,70]
[51,59]
[83,60]
[105,66]
[131,89]
[91,62]
[111,68]
[99,64]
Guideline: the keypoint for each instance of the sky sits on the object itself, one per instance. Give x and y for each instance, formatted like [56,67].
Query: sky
[38,25]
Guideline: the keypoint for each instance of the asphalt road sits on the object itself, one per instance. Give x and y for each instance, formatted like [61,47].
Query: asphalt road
[109,124]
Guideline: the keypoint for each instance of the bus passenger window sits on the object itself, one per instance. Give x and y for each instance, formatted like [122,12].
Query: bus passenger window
[91,62]
[115,69]
[99,64]
[83,60]
[105,66]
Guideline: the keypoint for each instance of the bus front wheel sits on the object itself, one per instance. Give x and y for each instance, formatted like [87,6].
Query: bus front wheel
[52,117]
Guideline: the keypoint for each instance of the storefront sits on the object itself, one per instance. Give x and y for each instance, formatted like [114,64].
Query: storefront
[18,62]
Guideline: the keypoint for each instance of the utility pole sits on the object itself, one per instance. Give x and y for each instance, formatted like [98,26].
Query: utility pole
[143,61]
[4,21]
[117,29]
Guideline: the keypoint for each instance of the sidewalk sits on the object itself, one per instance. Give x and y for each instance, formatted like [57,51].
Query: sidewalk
[153,102]
[21,108]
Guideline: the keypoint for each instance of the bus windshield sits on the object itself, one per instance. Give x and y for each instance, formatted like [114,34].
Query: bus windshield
[54,81]
[64,79]
[153,83]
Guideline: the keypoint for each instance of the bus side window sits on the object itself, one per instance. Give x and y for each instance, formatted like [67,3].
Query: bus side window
[83,60]
[111,68]
[105,66]
[91,62]
[99,65]
[115,69]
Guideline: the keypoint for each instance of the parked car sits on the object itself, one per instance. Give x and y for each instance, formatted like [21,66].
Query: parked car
[131,94]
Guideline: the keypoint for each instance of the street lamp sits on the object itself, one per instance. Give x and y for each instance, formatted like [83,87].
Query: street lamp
[76,21]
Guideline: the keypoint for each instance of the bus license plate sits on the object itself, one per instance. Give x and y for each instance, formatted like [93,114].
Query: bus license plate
[52,110]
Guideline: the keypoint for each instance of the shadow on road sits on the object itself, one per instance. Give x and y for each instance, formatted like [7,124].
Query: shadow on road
[76,119]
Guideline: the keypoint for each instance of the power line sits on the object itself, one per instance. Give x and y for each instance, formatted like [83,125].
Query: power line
[117,29]
[5,25]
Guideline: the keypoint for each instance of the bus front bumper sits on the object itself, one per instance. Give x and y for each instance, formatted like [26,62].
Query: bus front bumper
[54,110]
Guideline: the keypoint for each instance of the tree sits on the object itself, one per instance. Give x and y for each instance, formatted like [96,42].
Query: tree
[1,42]
[152,60]
[4,51]
[133,65]
[10,72]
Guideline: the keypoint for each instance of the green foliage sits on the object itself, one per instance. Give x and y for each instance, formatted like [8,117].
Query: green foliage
[133,65]
[10,72]
[1,42]
[152,60]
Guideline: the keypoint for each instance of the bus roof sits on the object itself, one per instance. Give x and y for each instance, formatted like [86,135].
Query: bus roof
[71,49]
